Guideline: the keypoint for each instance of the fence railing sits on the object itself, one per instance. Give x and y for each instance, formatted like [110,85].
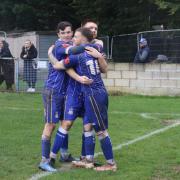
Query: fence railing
[37,74]
[161,42]
[106,43]
[123,47]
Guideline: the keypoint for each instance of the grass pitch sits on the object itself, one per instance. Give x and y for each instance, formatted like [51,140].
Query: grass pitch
[154,158]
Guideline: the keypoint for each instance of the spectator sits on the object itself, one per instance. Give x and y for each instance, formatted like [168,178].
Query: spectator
[6,65]
[142,55]
[29,52]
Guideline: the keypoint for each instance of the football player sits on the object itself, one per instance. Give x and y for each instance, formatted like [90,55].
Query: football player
[95,99]
[54,94]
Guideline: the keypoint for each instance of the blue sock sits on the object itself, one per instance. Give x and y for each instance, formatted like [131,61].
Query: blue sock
[65,144]
[83,152]
[45,147]
[107,148]
[59,140]
[66,141]
[89,145]
[64,148]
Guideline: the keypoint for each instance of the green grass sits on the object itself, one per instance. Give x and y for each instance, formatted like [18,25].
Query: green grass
[158,157]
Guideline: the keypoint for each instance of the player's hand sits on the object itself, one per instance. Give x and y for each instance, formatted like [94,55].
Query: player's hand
[50,50]
[93,52]
[85,80]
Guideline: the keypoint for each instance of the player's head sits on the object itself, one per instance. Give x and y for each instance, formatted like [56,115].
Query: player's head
[64,31]
[82,36]
[27,43]
[92,25]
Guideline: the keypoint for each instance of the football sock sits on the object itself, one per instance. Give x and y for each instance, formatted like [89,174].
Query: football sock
[106,146]
[83,152]
[64,148]
[45,147]
[89,145]
[61,135]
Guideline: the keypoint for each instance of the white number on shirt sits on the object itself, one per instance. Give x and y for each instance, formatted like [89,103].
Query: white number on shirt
[94,67]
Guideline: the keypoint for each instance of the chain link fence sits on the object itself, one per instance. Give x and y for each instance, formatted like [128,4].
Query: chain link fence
[123,47]
[39,75]
[106,47]
[161,42]
[166,42]
[3,35]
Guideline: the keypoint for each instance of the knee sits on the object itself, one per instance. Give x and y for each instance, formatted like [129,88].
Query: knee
[66,125]
[88,127]
[102,134]
[48,129]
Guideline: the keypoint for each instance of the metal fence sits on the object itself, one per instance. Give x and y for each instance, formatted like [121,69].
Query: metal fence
[106,47]
[41,69]
[3,35]
[20,83]
[161,42]
[123,47]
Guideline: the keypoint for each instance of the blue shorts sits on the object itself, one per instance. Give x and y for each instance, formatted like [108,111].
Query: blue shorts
[74,107]
[53,106]
[96,110]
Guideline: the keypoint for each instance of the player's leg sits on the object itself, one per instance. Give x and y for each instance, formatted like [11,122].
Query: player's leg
[88,144]
[106,147]
[60,138]
[89,147]
[83,152]
[99,106]
[52,116]
[71,111]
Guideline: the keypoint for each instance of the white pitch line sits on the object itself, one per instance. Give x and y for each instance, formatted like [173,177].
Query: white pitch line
[155,113]
[147,116]
[120,146]
[21,108]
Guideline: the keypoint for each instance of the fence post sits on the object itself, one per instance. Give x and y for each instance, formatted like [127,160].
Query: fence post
[16,75]
[112,39]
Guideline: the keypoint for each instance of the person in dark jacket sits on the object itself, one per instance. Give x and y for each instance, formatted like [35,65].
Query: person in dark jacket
[29,52]
[6,65]
[142,55]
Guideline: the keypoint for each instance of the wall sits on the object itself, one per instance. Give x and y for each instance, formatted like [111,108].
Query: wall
[16,41]
[145,79]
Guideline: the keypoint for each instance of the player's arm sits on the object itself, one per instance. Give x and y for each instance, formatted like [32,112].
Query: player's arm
[101,60]
[70,62]
[71,72]
[55,63]
[69,50]
[81,79]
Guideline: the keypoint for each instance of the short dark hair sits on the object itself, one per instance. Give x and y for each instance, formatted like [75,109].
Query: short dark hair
[62,25]
[86,33]
[84,22]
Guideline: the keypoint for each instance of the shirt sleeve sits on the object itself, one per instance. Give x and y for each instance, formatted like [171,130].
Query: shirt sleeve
[71,61]
[61,49]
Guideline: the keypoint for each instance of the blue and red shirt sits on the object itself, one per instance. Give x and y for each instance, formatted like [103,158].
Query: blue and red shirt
[86,65]
[58,79]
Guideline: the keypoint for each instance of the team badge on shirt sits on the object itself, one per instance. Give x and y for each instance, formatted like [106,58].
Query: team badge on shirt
[56,115]
[70,112]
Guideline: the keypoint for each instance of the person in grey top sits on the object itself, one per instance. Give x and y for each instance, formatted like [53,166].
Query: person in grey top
[142,55]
